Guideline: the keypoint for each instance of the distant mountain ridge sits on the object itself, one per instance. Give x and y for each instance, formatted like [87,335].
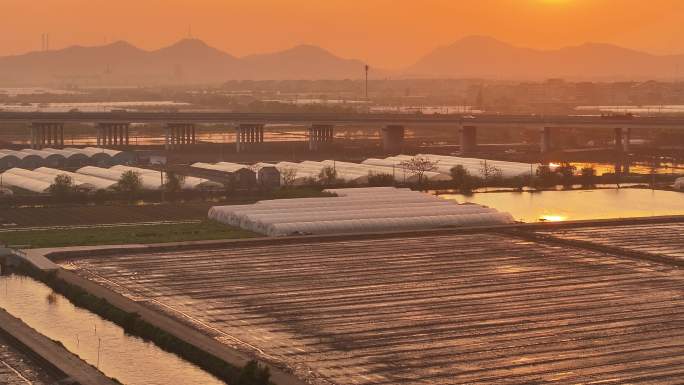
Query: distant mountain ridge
[486,57]
[187,61]
[191,61]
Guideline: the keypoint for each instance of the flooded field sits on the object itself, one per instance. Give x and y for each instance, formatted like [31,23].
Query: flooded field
[643,110]
[99,342]
[664,239]
[634,168]
[16,368]
[87,106]
[458,309]
[579,204]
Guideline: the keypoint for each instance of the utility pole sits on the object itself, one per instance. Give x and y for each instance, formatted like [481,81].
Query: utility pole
[367,68]
[99,344]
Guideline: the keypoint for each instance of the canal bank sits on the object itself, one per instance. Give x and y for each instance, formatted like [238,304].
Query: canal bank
[49,354]
[194,347]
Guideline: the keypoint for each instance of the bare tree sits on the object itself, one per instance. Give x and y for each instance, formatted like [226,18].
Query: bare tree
[288,176]
[328,175]
[489,171]
[419,165]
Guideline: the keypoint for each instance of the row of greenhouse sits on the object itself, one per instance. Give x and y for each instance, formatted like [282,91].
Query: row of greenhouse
[475,166]
[67,157]
[358,210]
[91,178]
[302,173]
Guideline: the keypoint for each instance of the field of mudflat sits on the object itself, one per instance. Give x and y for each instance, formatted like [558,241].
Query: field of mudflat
[456,309]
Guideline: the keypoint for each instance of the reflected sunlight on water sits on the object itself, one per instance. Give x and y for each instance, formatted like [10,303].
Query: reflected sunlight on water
[579,204]
[552,218]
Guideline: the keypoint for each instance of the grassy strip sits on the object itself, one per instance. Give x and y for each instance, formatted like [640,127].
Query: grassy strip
[251,374]
[205,230]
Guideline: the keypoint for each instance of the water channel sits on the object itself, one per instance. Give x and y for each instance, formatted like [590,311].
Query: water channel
[101,343]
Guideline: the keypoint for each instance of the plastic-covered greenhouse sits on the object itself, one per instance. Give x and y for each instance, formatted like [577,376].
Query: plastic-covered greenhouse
[50,178]
[679,184]
[8,160]
[82,180]
[9,179]
[117,157]
[189,182]
[71,158]
[474,166]
[97,156]
[149,182]
[50,159]
[26,160]
[356,210]
[403,174]
[220,166]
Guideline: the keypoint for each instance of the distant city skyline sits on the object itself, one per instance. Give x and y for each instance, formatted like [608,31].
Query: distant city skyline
[385,33]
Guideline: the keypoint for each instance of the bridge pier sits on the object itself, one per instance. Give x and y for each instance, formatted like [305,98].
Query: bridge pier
[620,143]
[546,142]
[247,135]
[623,136]
[468,139]
[178,134]
[320,135]
[46,135]
[113,134]
[393,138]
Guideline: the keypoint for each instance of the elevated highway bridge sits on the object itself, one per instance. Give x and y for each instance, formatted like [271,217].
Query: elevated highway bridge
[47,127]
[344,118]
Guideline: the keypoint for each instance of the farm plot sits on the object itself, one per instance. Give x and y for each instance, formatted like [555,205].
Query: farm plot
[17,369]
[455,309]
[664,239]
[89,215]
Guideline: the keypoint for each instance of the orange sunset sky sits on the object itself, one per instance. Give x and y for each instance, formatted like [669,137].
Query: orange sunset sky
[387,33]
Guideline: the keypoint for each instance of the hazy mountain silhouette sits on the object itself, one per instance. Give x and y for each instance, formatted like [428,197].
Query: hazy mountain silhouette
[301,62]
[486,57]
[193,61]
[187,61]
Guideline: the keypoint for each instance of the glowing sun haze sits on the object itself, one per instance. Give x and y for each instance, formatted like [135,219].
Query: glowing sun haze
[388,33]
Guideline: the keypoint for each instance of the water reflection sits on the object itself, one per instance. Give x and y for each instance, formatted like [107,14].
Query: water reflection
[128,359]
[552,218]
[579,204]
[632,168]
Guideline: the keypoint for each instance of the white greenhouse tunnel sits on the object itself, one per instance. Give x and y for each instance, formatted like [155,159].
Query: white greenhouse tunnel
[474,166]
[54,158]
[359,173]
[221,166]
[356,210]
[149,182]
[189,182]
[48,175]
[8,179]
[679,184]
[80,179]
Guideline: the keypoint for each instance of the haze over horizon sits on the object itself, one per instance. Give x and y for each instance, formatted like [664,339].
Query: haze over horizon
[385,33]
